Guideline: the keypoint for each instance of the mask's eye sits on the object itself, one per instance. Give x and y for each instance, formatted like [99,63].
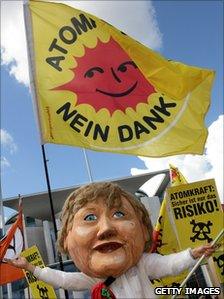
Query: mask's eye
[90,217]
[90,73]
[118,214]
[123,67]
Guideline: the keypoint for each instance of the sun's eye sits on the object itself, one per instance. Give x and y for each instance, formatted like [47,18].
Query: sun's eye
[91,72]
[118,214]
[90,217]
[123,67]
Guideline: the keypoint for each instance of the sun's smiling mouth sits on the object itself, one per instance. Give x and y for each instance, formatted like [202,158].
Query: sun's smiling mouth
[117,95]
[108,247]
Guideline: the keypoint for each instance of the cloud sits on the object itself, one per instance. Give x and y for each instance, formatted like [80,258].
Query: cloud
[4,162]
[195,167]
[13,41]
[8,142]
[136,18]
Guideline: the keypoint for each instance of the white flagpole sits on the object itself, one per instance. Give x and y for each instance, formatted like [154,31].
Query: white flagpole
[221,233]
[88,166]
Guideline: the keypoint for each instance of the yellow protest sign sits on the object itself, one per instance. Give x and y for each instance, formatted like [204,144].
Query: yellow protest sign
[196,211]
[39,288]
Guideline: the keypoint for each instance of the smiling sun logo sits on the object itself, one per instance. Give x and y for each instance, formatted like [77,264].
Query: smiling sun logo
[106,77]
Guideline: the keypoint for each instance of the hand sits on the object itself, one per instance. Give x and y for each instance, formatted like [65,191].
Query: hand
[20,262]
[207,250]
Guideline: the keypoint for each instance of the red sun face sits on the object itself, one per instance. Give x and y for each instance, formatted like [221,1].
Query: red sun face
[106,77]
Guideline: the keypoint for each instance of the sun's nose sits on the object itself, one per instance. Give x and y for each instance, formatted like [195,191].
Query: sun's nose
[115,75]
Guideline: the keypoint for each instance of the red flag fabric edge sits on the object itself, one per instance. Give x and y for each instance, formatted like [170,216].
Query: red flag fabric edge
[9,273]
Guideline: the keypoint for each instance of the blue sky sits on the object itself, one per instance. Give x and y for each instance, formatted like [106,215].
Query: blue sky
[186,31]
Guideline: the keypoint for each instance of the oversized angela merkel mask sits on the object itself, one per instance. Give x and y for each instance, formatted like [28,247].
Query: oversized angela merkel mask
[106,241]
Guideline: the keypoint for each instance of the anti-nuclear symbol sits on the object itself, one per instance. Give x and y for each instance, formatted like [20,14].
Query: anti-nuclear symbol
[201,231]
[220,262]
[43,292]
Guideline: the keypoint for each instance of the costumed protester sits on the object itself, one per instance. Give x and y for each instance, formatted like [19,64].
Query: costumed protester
[108,234]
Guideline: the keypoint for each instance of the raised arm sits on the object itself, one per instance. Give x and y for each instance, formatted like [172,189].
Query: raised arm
[58,279]
[207,250]
[66,280]
[158,266]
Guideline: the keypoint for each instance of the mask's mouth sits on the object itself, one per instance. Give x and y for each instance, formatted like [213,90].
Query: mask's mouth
[108,247]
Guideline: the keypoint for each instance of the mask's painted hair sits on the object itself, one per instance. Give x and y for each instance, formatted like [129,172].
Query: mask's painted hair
[112,195]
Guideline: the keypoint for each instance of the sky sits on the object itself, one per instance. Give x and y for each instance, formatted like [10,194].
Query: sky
[187,31]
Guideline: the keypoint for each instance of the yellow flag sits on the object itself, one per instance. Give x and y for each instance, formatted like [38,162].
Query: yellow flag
[176,176]
[98,88]
[165,241]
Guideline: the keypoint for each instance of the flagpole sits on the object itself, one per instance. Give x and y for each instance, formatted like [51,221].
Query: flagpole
[218,237]
[88,166]
[34,96]
[52,210]
[49,191]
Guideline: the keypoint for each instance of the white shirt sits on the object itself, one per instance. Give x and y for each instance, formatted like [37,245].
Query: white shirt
[135,283]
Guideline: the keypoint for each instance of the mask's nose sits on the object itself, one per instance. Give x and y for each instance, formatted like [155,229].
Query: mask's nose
[115,75]
[106,229]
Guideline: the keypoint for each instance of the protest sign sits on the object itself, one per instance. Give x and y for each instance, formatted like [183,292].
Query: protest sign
[38,288]
[196,211]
